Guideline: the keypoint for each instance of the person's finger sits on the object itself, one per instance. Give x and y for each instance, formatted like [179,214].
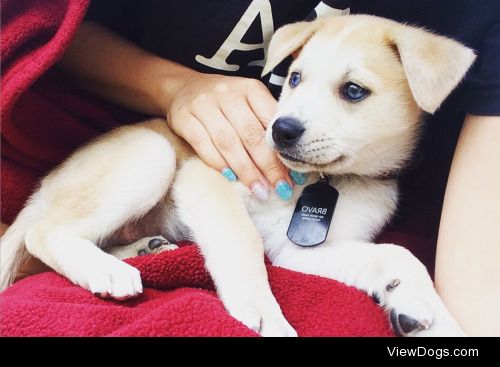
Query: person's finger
[195,134]
[252,134]
[262,103]
[229,145]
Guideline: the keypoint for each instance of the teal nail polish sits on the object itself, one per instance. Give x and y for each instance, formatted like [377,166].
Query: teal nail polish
[298,177]
[229,174]
[284,190]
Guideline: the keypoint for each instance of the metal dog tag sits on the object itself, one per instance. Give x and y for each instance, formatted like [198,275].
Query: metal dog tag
[313,214]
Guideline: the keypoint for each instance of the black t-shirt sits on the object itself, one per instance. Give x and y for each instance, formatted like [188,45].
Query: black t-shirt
[203,34]
[229,37]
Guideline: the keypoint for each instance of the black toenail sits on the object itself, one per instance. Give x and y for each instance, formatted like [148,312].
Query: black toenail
[142,252]
[393,284]
[154,243]
[409,324]
[395,324]
[376,297]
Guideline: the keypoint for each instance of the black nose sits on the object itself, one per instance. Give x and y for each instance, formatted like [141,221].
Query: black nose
[286,131]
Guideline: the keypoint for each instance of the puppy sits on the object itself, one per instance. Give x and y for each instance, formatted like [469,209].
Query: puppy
[350,112]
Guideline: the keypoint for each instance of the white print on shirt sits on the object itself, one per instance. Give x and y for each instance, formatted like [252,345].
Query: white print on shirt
[323,9]
[233,42]
[262,9]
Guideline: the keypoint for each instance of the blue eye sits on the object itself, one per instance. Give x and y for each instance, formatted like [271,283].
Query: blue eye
[354,92]
[295,78]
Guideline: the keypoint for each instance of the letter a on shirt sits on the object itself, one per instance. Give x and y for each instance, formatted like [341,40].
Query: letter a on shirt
[258,8]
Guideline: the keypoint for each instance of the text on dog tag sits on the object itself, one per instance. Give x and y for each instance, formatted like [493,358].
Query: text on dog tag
[313,214]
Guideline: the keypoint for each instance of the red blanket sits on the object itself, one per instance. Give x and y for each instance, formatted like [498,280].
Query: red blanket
[179,301]
[44,117]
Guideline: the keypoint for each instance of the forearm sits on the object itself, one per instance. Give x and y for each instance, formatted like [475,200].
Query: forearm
[116,69]
[468,252]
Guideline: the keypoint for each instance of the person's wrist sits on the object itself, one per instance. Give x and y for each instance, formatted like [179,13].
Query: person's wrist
[169,86]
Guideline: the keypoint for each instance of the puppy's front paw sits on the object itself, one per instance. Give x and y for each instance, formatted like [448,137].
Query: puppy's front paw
[421,314]
[260,315]
[409,312]
[405,325]
[112,278]
[406,291]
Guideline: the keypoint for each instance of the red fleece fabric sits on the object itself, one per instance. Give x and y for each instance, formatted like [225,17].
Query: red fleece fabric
[34,36]
[44,117]
[179,301]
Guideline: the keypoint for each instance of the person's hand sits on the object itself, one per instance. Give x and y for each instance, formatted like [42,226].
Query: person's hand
[224,119]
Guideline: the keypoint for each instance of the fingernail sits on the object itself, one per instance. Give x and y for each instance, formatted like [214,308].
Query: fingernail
[260,191]
[298,177]
[229,174]
[284,190]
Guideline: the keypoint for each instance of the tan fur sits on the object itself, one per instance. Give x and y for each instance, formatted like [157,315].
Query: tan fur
[288,40]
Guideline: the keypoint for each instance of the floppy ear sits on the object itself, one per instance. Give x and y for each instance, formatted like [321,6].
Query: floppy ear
[286,40]
[434,65]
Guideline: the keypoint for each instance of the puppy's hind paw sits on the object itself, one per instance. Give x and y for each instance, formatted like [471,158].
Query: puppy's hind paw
[144,246]
[155,245]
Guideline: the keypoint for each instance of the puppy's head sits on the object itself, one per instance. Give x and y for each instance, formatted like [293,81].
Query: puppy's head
[354,94]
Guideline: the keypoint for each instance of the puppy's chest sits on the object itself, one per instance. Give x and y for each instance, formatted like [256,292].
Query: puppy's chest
[358,214]
[272,218]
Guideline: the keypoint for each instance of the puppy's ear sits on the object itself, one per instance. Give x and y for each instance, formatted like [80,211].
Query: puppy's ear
[287,40]
[434,65]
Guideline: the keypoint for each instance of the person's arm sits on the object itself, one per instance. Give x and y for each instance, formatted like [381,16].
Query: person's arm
[222,118]
[114,68]
[468,250]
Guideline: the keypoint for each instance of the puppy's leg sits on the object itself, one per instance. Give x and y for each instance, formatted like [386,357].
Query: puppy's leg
[214,211]
[391,274]
[95,192]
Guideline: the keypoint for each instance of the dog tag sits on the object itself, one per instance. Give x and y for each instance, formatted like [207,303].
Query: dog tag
[313,214]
